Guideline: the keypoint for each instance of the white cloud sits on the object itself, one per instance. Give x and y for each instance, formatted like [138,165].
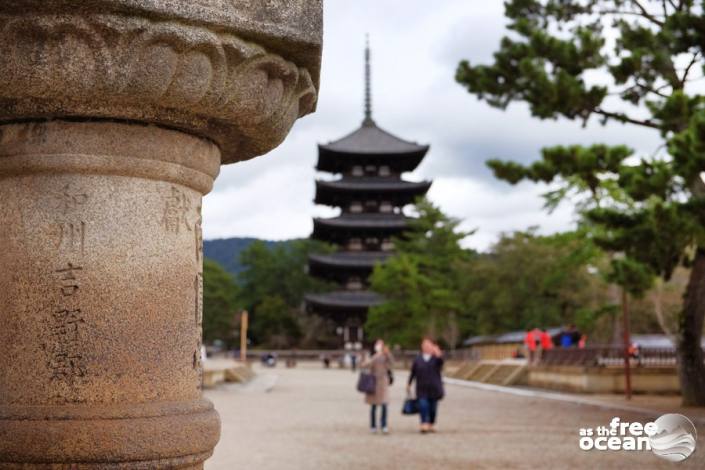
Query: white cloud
[416,47]
[492,210]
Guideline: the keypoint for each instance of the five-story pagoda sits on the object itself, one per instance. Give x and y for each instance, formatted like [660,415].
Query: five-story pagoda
[371,195]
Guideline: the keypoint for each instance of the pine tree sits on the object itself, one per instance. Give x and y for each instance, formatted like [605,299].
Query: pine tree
[653,211]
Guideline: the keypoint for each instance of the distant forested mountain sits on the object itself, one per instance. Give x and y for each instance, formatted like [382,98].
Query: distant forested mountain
[226,251]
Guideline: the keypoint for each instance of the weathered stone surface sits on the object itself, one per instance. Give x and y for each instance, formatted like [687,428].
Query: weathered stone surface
[115,116]
[237,72]
[101,293]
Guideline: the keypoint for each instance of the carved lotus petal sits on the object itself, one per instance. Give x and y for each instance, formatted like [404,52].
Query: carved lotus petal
[154,81]
[205,72]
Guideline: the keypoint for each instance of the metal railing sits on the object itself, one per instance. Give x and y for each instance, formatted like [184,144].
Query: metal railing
[402,358]
[608,356]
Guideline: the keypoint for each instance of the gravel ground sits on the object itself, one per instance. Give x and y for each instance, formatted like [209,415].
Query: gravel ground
[314,419]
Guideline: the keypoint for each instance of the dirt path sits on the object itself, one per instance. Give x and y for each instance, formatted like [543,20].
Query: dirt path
[313,419]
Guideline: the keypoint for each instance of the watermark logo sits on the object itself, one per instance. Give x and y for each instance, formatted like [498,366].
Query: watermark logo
[675,438]
[671,437]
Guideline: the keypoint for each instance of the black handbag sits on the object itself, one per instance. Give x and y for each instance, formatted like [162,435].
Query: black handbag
[411,406]
[390,375]
[366,383]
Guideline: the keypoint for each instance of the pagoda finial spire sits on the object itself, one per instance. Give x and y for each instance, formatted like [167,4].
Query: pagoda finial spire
[368,84]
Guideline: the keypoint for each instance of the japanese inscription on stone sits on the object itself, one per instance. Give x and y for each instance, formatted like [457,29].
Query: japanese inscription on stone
[176,211]
[66,361]
[66,321]
[71,230]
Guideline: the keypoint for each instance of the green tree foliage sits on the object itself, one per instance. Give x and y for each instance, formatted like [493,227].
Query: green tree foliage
[529,281]
[651,210]
[272,287]
[421,283]
[220,303]
[433,286]
[276,324]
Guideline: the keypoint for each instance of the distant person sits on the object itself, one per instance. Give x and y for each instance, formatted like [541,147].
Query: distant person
[380,365]
[582,342]
[634,351]
[326,361]
[575,336]
[270,360]
[530,343]
[426,371]
[545,341]
[567,337]
[353,361]
[291,360]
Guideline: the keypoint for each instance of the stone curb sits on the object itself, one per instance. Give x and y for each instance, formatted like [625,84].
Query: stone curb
[573,399]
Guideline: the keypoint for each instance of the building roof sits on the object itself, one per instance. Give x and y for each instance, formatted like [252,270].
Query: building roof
[392,189]
[376,184]
[340,267]
[351,259]
[643,340]
[360,299]
[365,221]
[504,338]
[372,140]
[656,341]
[341,228]
[370,145]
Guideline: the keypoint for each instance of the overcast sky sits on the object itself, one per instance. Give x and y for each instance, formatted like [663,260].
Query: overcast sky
[416,46]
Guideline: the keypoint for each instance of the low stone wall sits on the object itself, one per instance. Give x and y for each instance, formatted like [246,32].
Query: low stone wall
[660,380]
[216,372]
[495,352]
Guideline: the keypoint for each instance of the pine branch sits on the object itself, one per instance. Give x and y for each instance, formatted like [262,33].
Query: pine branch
[626,119]
[687,69]
[655,91]
[645,13]
[620,13]
[646,88]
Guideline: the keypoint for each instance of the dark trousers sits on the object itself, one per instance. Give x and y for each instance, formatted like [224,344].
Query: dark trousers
[427,410]
[373,416]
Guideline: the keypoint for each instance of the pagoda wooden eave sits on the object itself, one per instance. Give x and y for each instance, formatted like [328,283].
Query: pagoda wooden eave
[339,229]
[350,259]
[370,145]
[343,303]
[343,191]
[340,162]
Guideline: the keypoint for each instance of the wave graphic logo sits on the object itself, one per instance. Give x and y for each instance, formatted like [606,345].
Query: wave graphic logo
[675,438]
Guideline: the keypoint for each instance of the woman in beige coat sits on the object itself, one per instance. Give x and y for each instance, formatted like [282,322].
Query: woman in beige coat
[380,365]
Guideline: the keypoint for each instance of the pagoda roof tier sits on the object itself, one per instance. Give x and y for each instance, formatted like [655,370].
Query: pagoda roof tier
[370,145]
[343,302]
[341,228]
[340,192]
[350,259]
[344,264]
[369,139]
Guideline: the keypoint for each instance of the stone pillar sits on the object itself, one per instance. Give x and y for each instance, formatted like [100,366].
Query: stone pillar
[115,116]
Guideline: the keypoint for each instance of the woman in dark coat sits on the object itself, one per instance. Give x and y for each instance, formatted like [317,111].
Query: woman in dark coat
[426,371]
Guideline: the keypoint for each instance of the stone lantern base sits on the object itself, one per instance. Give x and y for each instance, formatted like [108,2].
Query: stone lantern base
[115,116]
[101,283]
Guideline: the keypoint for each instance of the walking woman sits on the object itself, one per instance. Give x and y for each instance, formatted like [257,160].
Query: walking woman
[426,371]
[380,365]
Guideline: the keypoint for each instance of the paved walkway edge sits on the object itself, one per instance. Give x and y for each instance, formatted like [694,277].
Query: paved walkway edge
[563,397]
